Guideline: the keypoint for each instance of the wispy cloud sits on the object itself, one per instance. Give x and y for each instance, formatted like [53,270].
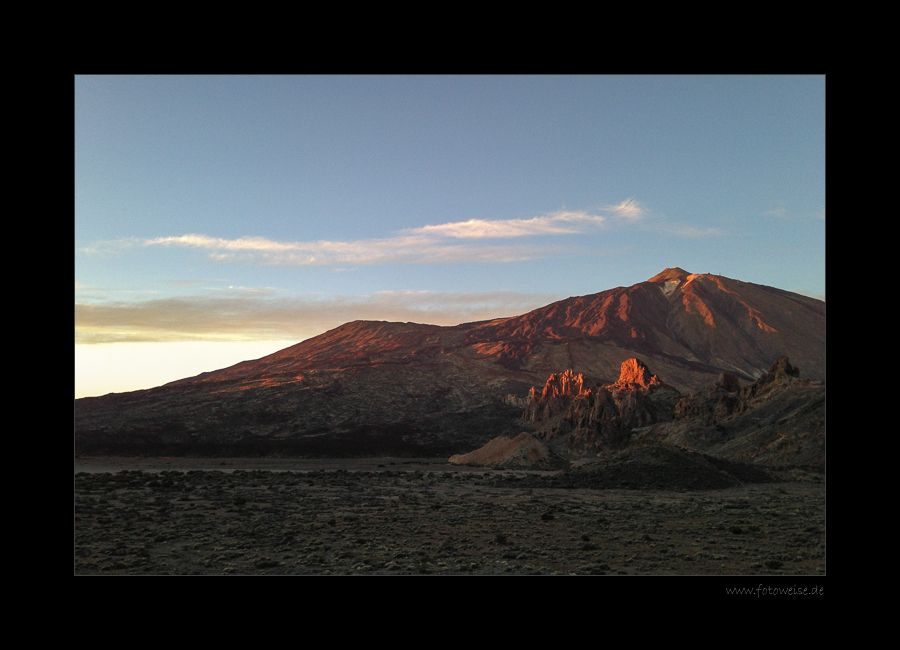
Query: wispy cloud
[563,222]
[455,242]
[111,246]
[559,223]
[629,209]
[248,314]
[408,249]
[461,242]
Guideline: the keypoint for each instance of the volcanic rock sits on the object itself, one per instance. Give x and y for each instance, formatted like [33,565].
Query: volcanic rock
[728,382]
[566,384]
[777,421]
[593,420]
[780,375]
[725,399]
[635,375]
[559,391]
[711,405]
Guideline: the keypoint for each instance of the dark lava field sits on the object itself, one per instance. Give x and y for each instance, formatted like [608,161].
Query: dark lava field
[427,517]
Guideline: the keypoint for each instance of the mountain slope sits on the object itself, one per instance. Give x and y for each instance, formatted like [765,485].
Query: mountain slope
[378,387]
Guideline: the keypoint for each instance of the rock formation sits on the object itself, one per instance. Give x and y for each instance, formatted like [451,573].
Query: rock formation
[601,418]
[559,391]
[566,384]
[777,421]
[714,403]
[635,375]
[725,399]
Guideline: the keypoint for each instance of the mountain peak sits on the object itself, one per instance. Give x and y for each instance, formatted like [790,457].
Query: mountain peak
[381,388]
[674,273]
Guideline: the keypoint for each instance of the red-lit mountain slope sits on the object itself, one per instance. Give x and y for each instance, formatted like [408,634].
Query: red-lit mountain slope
[703,324]
[454,385]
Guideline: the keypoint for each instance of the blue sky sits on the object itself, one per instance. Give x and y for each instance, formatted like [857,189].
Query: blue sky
[221,218]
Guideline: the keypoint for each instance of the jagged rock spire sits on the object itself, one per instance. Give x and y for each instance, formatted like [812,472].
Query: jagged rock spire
[565,383]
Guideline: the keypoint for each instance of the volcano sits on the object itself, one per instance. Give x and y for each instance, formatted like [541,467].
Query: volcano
[382,388]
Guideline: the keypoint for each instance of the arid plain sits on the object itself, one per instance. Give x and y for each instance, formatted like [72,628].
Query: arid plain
[425,516]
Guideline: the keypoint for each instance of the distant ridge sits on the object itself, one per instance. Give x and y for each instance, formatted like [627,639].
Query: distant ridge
[427,389]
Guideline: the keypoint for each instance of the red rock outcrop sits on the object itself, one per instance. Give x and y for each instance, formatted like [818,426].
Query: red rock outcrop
[566,383]
[604,417]
[635,375]
[559,390]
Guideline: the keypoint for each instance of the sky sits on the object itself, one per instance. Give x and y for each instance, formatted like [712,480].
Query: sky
[224,218]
